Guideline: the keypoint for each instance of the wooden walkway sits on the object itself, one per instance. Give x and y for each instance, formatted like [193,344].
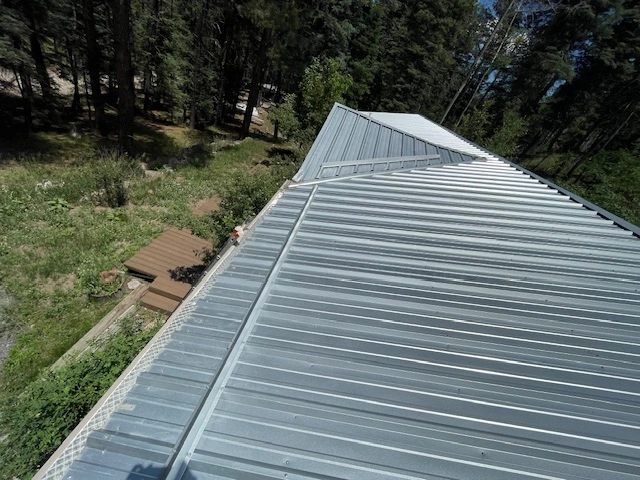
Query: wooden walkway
[174,254]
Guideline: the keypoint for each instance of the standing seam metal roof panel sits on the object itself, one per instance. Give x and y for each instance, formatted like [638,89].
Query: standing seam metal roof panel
[458,321]
[389,348]
[349,135]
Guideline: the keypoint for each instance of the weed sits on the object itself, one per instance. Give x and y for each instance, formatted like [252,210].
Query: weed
[36,422]
[116,215]
[112,173]
[245,195]
[58,205]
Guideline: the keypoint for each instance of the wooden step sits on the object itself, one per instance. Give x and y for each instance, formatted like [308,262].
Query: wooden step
[158,303]
[166,287]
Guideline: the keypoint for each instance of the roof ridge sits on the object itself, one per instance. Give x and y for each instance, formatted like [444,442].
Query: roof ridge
[347,143]
[431,163]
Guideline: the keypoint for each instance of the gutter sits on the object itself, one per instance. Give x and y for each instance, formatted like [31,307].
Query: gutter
[60,461]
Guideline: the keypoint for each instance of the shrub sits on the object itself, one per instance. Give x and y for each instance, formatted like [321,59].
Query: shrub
[479,126]
[245,195]
[112,173]
[39,419]
[301,116]
[506,139]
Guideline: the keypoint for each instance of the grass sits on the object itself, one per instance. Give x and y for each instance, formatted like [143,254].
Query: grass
[45,254]
[610,180]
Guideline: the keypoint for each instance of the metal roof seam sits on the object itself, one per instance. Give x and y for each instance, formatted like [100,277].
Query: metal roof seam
[178,463]
[576,198]
[318,181]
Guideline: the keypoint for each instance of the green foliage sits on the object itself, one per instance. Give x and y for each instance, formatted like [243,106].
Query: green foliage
[475,125]
[36,421]
[245,195]
[323,83]
[58,205]
[112,173]
[284,115]
[116,215]
[301,116]
[505,139]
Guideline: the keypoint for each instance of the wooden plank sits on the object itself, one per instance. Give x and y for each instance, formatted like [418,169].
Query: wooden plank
[151,262]
[165,263]
[158,303]
[118,312]
[184,234]
[166,287]
[165,257]
[170,256]
[172,250]
[144,269]
[183,247]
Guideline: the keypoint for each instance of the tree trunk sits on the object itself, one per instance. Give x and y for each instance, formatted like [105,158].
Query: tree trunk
[26,91]
[615,133]
[276,100]
[147,89]
[124,73]
[76,105]
[37,55]
[93,65]
[490,68]
[472,70]
[226,44]
[256,82]
[152,56]
[86,92]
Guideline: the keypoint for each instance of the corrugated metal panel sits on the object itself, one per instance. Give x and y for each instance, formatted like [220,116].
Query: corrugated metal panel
[425,129]
[405,334]
[349,135]
[141,436]
[460,321]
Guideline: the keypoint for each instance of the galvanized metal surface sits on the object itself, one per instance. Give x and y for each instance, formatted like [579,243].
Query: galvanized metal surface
[425,129]
[139,439]
[349,135]
[449,322]
[409,335]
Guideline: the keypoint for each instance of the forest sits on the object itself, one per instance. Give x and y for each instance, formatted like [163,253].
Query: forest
[119,117]
[526,77]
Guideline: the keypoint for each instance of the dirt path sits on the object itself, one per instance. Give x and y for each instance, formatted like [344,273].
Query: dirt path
[6,338]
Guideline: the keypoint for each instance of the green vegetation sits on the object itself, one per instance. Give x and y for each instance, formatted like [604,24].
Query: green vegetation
[37,420]
[301,116]
[506,139]
[60,230]
[608,179]
[57,235]
[247,193]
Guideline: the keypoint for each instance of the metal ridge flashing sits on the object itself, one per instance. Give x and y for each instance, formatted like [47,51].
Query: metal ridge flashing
[299,176]
[188,443]
[622,223]
[317,181]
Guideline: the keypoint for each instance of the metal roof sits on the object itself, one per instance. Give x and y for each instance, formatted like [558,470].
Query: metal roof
[425,129]
[354,140]
[452,321]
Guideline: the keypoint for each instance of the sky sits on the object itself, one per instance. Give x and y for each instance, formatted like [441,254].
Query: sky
[486,3]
